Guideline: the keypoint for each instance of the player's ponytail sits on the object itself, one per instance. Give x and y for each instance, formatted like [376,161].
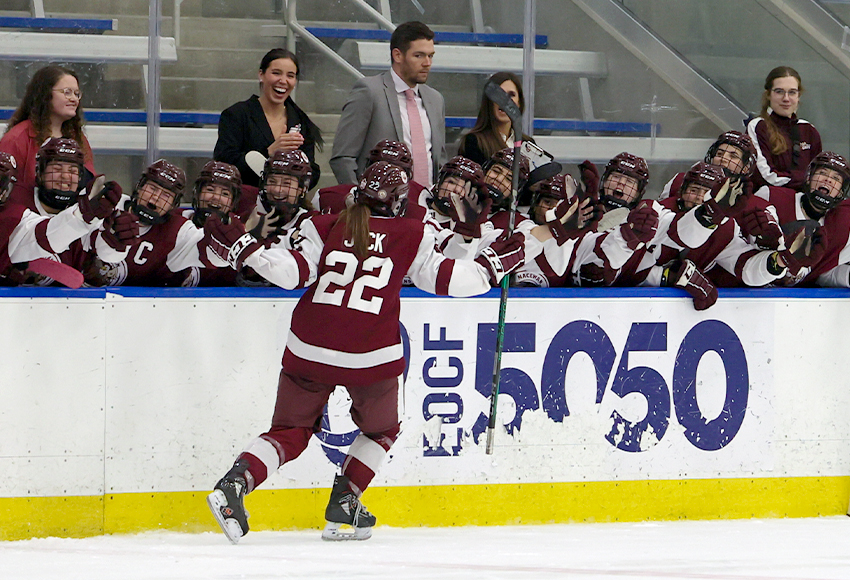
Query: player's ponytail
[356,221]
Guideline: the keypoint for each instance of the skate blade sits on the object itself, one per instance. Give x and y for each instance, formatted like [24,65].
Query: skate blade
[229,526]
[336,532]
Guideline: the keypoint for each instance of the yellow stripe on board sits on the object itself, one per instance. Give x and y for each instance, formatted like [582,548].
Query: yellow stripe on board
[448,505]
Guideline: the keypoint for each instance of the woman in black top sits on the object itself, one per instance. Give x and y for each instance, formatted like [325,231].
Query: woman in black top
[269,122]
[492,130]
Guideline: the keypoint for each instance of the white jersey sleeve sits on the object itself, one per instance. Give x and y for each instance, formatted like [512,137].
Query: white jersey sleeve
[431,269]
[40,236]
[290,269]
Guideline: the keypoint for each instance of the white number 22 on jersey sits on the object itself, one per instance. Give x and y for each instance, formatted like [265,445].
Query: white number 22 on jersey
[324,295]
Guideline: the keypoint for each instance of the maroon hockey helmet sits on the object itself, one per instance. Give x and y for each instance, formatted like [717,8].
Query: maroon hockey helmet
[505,158]
[462,168]
[394,152]
[819,200]
[8,175]
[169,177]
[631,166]
[383,188]
[215,173]
[58,149]
[740,141]
[704,175]
[293,163]
[558,187]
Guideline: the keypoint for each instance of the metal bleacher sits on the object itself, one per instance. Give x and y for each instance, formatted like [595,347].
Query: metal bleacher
[479,51]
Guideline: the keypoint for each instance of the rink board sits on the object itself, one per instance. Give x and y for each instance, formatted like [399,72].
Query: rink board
[123,408]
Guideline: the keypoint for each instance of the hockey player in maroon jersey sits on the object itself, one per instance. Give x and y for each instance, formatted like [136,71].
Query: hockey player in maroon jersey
[218,189]
[821,211]
[726,258]
[354,264]
[552,198]
[167,247]
[735,153]
[79,219]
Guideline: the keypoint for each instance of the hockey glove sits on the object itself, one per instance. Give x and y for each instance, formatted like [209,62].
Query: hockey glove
[739,194]
[592,275]
[468,213]
[589,178]
[762,226]
[121,230]
[229,241]
[640,227]
[503,257]
[562,220]
[712,213]
[806,249]
[101,200]
[266,225]
[689,278]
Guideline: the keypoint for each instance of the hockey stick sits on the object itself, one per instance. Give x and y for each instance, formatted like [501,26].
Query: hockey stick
[498,95]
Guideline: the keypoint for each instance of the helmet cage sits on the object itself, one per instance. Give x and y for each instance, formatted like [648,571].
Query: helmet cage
[739,141]
[170,178]
[827,160]
[631,166]
[462,168]
[293,163]
[64,150]
[215,173]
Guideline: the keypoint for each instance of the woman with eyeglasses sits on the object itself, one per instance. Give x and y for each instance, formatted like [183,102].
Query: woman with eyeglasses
[50,108]
[785,144]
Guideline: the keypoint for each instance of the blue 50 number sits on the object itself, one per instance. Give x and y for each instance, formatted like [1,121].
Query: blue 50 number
[586,337]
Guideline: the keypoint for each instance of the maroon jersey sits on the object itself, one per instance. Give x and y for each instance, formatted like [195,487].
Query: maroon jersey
[783,169]
[836,223]
[147,262]
[345,328]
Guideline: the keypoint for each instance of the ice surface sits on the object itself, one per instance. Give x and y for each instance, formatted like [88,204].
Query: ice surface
[816,548]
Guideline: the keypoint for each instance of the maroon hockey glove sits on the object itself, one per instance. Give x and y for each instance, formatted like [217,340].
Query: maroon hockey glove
[121,230]
[590,213]
[468,214]
[503,257]
[229,241]
[592,275]
[738,198]
[762,226]
[267,225]
[694,282]
[101,200]
[589,178]
[562,220]
[640,227]
[805,250]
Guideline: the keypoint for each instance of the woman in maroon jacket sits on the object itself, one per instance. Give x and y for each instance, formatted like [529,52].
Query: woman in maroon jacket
[785,144]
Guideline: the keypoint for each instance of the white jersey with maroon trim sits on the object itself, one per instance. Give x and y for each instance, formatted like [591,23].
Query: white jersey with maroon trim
[831,270]
[345,327]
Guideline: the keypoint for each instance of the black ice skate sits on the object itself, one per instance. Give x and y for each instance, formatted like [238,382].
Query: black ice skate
[345,509]
[226,505]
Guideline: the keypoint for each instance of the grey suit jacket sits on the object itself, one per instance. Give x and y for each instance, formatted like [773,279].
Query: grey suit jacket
[371,114]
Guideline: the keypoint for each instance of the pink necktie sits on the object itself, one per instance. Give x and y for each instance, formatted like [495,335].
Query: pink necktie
[421,170]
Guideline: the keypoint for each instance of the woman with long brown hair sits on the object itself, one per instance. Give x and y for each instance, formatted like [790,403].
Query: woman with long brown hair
[492,131]
[268,122]
[50,108]
[785,144]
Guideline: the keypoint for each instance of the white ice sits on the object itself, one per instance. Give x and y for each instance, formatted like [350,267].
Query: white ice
[816,548]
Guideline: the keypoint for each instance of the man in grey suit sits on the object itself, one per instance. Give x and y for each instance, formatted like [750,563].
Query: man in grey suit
[377,109]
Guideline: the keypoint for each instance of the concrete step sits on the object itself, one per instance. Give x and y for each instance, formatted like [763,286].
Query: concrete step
[204,94]
[113,8]
[229,63]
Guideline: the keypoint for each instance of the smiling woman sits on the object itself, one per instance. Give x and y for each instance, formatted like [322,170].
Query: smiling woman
[268,122]
[785,144]
[50,108]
